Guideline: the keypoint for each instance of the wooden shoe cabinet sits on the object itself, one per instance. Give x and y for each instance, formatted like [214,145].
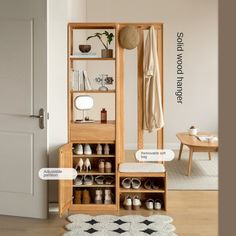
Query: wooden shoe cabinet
[91,133]
[143,193]
[112,132]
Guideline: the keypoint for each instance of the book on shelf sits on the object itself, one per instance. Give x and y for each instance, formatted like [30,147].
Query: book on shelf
[84,55]
[80,81]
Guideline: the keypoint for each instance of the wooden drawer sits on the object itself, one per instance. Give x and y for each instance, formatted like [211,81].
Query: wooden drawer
[96,131]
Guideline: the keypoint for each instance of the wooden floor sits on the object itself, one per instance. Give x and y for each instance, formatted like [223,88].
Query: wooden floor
[195,213]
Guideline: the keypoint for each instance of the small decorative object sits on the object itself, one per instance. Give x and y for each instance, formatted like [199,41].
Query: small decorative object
[106,53]
[192,130]
[84,102]
[129,37]
[104,79]
[99,149]
[103,115]
[84,48]
[106,149]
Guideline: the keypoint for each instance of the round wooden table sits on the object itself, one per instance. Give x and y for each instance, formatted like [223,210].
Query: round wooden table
[195,145]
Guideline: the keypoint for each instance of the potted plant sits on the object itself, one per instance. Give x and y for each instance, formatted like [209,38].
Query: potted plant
[106,53]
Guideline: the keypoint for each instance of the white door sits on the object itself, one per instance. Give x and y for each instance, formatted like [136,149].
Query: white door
[23,92]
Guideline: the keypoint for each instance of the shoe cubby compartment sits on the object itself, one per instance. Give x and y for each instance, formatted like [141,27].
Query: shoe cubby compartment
[153,186]
[148,184]
[85,197]
[144,197]
[93,147]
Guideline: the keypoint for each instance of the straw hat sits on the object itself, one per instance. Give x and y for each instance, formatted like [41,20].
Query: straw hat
[129,37]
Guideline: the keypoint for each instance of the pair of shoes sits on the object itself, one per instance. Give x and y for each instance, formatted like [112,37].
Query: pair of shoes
[86,180]
[79,150]
[106,149]
[99,196]
[82,197]
[135,183]
[151,184]
[104,166]
[104,179]
[86,165]
[130,203]
[151,204]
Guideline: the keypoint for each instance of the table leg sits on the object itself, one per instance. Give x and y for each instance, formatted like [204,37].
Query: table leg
[209,155]
[190,161]
[180,151]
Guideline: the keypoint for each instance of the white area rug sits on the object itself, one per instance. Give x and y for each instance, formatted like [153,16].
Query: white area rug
[110,225]
[204,175]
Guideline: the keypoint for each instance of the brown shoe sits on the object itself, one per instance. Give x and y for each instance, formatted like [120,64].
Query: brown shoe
[86,197]
[77,199]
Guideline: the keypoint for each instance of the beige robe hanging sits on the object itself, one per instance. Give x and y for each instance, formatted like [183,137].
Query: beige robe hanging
[153,113]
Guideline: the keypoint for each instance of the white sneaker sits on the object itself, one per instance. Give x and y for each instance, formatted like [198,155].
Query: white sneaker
[87,149]
[127,203]
[149,204]
[78,150]
[157,204]
[136,203]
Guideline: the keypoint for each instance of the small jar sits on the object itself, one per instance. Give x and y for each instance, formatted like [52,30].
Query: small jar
[103,115]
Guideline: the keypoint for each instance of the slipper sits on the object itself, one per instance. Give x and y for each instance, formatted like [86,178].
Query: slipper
[88,180]
[99,179]
[147,184]
[126,183]
[149,204]
[154,184]
[136,183]
[78,180]
[109,180]
[157,204]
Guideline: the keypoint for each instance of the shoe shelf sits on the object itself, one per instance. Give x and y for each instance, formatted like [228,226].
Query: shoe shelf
[142,190]
[94,172]
[153,186]
[94,91]
[94,155]
[72,58]
[93,207]
[94,186]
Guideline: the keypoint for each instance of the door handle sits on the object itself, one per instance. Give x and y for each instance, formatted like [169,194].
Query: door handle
[41,117]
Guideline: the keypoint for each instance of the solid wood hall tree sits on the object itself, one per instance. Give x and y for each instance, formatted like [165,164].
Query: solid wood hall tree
[112,132]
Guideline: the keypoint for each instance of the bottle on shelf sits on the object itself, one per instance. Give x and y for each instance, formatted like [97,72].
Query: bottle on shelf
[103,115]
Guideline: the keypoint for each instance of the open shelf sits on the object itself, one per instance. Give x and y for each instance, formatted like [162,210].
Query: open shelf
[142,174]
[94,172]
[94,186]
[141,190]
[94,91]
[91,58]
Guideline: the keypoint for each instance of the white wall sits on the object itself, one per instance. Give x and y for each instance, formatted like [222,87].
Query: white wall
[198,20]
[59,14]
